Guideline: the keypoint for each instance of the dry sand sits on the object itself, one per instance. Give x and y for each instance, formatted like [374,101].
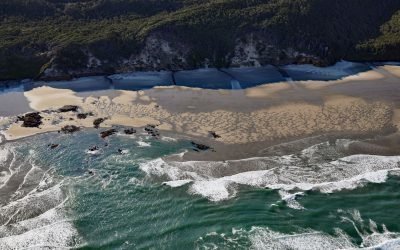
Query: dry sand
[367,103]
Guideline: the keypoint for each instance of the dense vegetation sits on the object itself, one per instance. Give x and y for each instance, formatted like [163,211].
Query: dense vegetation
[35,33]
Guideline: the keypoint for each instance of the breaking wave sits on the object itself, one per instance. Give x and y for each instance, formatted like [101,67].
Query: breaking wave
[306,239]
[32,205]
[291,174]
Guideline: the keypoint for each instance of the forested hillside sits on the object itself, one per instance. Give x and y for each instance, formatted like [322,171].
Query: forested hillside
[61,38]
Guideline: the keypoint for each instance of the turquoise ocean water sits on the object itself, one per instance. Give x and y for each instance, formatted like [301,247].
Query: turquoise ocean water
[69,197]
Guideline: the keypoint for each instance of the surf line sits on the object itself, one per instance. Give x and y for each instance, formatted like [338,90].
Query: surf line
[235,84]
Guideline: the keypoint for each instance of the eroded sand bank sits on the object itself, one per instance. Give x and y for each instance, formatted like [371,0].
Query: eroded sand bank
[360,104]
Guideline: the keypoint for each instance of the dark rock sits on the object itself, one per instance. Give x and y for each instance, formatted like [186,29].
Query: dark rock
[107,133]
[201,147]
[94,148]
[214,135]
[149,127]
[91,172]
[151,130]
[69,129]
[98,121]
[53,146]
[129,131]
[68,108]
[31,120]
[84,115]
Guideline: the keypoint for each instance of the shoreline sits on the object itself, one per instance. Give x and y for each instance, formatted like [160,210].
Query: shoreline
[266,115]
[282,69]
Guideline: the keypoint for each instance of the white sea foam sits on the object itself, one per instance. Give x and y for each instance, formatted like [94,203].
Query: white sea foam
[143,144]
[37,221]
[94,152]
[34,216]
[178,183]
[168,139]
[291,173]
[4,154]
[291,199]
[214,190]
[180,155]
[262,238]
[124,151]
[304,239]
[6,168]
[48,230]
[31,205]
[30,181]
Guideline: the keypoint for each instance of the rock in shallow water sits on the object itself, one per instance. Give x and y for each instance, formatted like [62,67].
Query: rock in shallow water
[107,133]
[200,147]
[129,131]
[53,146]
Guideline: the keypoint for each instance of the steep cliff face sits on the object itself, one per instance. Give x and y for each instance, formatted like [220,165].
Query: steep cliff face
[161,51]
[255,50]
[64,38]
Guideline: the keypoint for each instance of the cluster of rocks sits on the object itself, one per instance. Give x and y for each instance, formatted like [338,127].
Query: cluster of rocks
[69,129]
[93,148]
[31,120]
[152,130]
[108,133]
[129,131]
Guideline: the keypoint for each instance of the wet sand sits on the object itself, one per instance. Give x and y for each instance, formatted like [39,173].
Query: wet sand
[365,105]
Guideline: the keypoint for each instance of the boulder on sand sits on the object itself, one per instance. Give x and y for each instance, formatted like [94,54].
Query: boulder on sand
[98,121]
[68,108]
[214,134]
[84,115]
[31,120]
[69,129]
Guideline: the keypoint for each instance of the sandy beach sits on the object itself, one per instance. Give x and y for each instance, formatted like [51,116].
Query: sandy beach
[364,104]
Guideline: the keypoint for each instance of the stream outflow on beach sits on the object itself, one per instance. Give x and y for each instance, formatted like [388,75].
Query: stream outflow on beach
[126,194]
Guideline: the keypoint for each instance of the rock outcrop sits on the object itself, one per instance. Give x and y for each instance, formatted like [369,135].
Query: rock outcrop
[31,120]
